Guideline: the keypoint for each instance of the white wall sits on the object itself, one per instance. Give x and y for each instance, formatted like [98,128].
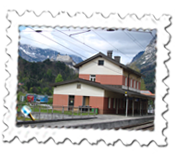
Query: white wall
[86,90]
[92,67]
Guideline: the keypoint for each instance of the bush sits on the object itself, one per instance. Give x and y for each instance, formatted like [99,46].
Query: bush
[20,94]
[50,101]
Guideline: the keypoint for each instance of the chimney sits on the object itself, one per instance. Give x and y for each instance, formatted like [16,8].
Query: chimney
[109,53]
[117,58]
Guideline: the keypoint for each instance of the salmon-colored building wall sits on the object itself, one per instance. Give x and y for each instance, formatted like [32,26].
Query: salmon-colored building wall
[110,79]
[60,100]
[97,102]
[84,76]
[105,79]
[94,102]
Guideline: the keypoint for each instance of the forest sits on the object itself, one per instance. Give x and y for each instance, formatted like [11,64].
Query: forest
[36,77]
[147,82]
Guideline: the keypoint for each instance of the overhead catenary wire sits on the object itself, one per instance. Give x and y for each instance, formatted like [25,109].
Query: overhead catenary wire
[141,46]
[78,41]
[90,46]
[139,42]
[110,44]
[71,43]
[57,50]
[72,50]
[134,40]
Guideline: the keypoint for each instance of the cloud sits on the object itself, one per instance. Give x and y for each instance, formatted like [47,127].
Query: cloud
[125,44]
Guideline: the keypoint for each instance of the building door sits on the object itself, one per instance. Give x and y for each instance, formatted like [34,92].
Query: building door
[85,100]
[71,102]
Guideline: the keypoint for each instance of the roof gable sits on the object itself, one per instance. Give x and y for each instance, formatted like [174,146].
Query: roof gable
[109,59]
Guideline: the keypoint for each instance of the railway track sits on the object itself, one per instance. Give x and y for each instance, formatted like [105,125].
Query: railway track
[143,126]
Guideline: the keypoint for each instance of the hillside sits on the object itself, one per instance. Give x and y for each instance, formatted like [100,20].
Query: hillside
[35,54]
[137,56]
[146,64]
[37,76]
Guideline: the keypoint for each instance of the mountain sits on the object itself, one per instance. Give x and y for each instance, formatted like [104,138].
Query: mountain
[137,56]
[35,54]
[76,59]
[148,57]
[146,64]
[37,76]
[66,59]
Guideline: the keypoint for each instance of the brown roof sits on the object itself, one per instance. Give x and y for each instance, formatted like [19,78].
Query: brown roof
[111,60]
[105,87]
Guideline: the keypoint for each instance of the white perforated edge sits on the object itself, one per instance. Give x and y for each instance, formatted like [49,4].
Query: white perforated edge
[77,135]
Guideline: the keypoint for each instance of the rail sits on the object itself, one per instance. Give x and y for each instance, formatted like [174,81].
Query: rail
[149,125]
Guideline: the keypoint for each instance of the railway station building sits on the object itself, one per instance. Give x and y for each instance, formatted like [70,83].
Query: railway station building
[106,84]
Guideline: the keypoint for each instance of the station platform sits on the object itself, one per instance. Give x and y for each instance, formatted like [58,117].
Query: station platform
[101,121]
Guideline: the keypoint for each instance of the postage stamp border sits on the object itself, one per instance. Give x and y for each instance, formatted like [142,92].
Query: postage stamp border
[63,19]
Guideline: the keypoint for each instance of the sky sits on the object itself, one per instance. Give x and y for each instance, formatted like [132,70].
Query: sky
[88,42]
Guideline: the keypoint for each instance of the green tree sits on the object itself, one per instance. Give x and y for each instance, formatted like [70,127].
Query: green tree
[59,78]
[31,90]
[134,67]
[143,87]
[151,102]
[20,94]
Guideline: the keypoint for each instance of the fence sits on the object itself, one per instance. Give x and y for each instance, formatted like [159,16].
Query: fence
[52,112]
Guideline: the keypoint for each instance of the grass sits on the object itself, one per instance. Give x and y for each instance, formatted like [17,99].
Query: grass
[58,111]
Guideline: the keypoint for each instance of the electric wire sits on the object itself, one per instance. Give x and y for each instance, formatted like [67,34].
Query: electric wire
[110,44]
[134,40]
[72,50]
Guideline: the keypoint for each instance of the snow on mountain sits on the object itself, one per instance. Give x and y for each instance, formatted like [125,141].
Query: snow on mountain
[137,56]
[144,59]
[146,64]
[35,54]
[65,58]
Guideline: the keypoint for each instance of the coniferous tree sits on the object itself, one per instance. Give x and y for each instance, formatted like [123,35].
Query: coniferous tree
[59,78]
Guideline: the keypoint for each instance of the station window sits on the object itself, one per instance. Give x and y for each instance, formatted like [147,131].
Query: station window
[134,84]
[131,83]
[126,81]
[92,77]
[78,86]
[137,85]
[100,62]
